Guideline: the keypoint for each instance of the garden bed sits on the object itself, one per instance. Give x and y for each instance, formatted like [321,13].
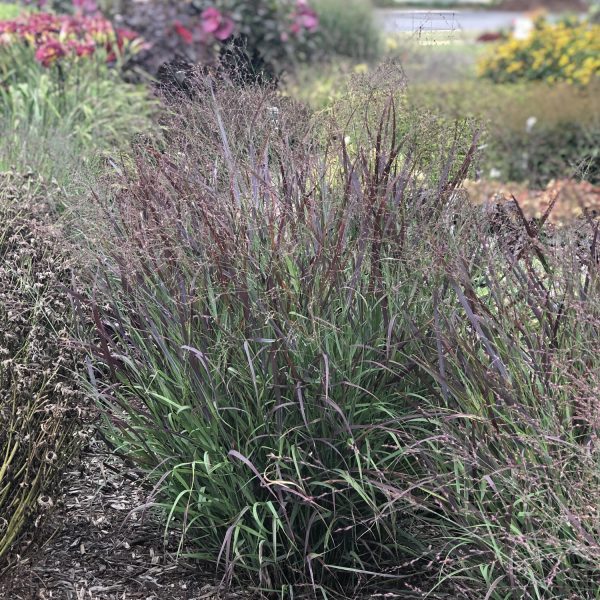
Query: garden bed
[549,5]
[297,355]
[92,546]
[573,199]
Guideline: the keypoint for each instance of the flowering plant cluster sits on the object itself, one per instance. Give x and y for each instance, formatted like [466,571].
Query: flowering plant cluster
[54,37]
[565,51]
[277,31]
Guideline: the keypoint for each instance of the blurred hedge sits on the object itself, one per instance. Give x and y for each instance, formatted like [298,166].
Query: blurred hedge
[535,132]
[348,28]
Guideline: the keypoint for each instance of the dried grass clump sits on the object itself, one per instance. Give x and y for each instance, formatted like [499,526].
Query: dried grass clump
[38,400]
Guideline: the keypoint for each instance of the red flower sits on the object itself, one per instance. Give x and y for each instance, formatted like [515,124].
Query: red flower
[49,52]
[55,36]
[183,32]
[125,35]
[8,27]
[213,21]
[85,49]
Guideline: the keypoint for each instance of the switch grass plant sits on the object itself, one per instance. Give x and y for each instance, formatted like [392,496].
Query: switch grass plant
[338,375]
[264,261]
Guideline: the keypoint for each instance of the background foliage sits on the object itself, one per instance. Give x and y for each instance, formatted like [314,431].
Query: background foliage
[565,51]
[347,28]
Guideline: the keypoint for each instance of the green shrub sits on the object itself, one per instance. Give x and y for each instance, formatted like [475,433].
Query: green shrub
[535,132]
[253,303]
[39,402]
[348,28]
[565,51]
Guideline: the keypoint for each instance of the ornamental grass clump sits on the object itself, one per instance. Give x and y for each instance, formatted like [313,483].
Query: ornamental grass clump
[338,374]
[515,453]
[39,402]
[267,277]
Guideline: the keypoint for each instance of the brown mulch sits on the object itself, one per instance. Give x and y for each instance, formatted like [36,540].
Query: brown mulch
[92,547]
[573,198]
[548,5]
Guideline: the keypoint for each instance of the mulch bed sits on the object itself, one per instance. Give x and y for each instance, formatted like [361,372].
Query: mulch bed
[573,198]
[92,547]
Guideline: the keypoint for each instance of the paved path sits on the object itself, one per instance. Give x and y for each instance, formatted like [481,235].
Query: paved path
[393,20]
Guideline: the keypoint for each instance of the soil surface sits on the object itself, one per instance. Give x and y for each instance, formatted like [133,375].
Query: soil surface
[93,547]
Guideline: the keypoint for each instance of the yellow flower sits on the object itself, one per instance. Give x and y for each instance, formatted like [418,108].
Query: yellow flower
[514,67]
[391,43]
[567,51]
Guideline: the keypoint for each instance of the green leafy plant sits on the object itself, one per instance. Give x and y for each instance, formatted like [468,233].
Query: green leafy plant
[347,28]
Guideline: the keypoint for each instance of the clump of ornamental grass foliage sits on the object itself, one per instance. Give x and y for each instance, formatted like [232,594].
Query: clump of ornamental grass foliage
[339,375]
[39,401]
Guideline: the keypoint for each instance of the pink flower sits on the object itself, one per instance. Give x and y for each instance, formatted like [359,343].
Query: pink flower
[304,18]
[225,30]
[211,19]
[214,22]
[85,6]
[49,53]
[308,18]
